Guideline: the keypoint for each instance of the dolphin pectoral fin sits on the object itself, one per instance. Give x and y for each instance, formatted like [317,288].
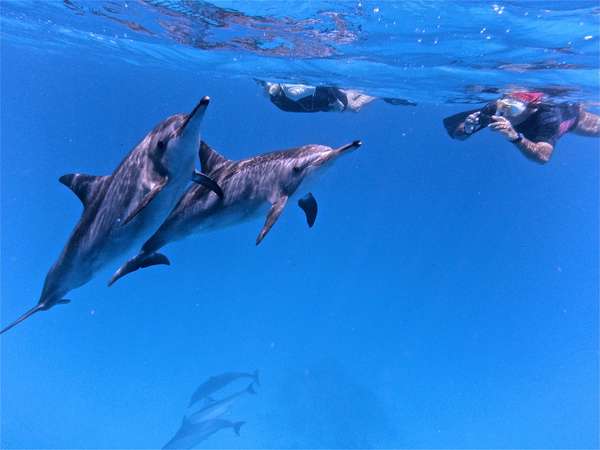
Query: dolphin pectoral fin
[237,426]
[146,200]
[272,216]
[308,203]
[83,186]
[207,182]
[25,316]
[139,262]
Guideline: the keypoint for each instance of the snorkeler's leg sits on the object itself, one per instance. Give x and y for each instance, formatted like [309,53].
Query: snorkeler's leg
[588,124]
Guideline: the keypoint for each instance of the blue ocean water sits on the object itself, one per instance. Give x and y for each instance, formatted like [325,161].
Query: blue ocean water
[447,296]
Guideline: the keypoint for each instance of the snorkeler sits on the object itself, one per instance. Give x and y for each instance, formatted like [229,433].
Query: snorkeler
[305,98]
[528,121]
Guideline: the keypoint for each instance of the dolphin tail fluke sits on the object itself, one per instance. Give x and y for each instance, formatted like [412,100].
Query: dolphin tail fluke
[256,378]
[237,426]
[25,316]
[139,262]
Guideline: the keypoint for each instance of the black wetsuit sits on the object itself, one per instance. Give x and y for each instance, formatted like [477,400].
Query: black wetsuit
[547,124]
[321,100]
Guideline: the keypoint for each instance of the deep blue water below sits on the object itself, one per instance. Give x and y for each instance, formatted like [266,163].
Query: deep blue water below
[447,296]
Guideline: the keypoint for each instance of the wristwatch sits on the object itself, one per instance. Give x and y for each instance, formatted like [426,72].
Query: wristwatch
[518,139]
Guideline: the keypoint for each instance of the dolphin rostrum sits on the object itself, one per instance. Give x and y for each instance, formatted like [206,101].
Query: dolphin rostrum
[189,435]
[249,186]
[218,382]
[123,209]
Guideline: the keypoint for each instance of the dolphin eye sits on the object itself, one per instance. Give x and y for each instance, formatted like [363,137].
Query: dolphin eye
[297,169]
[161,145]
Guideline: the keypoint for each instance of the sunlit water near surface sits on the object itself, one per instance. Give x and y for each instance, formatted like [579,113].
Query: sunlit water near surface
[447,296]
[427,51]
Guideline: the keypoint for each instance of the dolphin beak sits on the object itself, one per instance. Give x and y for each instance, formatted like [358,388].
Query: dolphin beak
[343,149]
[347,147]
[336,152]
[195,117]
[202,104]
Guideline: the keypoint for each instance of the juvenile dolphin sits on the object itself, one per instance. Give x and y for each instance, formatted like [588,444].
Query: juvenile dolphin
[217,382]
[217,408]
[123,209]
[189,435]
[250,187]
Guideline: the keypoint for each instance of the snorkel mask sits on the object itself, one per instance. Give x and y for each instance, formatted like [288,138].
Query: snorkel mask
[272,89]
[297,91]
[514,104]
[510,107]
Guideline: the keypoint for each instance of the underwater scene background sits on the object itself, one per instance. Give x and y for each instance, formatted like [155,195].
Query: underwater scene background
[447,296]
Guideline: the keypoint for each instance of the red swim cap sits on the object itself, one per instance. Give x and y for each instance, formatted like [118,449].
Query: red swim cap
[527,97]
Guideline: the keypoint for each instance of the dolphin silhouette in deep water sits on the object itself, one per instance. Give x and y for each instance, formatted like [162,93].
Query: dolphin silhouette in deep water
[123,209]
[189,435]
[218,382]
[217,408]
[250,186]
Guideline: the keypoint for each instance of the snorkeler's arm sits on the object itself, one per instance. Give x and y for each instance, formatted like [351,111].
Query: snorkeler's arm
[537,151]
[588,124]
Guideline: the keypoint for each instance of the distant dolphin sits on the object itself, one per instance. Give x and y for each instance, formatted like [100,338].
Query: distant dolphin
[249,186]
[218,408]
[189,435]
[122,209]
[217,382]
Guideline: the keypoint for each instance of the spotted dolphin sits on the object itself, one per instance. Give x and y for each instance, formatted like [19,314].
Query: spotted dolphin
[218,382]
[217,408]
[250,186]
[123,209]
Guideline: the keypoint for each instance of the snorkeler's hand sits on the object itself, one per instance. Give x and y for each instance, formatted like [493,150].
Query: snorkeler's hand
[471,122]
[504,127]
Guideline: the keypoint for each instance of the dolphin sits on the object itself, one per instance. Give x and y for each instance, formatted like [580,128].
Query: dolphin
[217,382]
[189,435]
[250,186]
[123,209]
[217,408]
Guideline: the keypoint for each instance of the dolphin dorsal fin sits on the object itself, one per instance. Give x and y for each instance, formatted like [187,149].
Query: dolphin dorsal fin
[210,159]
[83,186]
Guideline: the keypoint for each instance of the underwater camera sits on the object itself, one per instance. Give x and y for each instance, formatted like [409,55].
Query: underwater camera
[486,113]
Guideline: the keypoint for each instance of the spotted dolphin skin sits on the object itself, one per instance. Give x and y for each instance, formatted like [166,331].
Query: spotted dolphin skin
[123,209]
[217,382]
[216,409]
[189,435]
[250,186]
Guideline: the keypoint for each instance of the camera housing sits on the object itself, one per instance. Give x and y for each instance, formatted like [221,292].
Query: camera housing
[486,113]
